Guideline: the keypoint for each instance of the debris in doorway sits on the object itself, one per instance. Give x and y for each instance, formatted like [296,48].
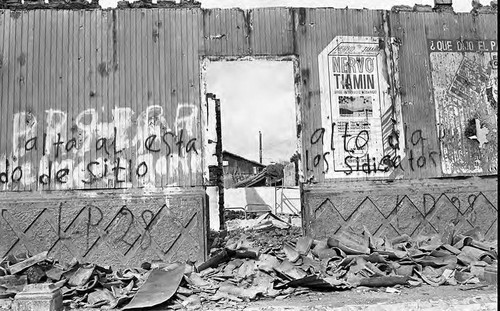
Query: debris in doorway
[266,221]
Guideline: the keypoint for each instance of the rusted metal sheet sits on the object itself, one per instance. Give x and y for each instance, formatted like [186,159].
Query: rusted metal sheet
[100,99]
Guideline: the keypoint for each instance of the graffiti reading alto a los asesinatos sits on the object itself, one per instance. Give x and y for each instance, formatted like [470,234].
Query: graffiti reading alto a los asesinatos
[100,151]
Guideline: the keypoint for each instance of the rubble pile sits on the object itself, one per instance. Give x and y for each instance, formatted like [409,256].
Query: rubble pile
[266,261]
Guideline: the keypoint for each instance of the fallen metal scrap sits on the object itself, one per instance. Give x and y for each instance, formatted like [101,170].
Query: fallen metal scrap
[265,263]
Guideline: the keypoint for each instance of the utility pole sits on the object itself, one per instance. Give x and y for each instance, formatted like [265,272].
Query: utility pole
[260,147]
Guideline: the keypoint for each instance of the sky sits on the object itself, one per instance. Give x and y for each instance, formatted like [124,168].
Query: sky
[256,96]
[459,5]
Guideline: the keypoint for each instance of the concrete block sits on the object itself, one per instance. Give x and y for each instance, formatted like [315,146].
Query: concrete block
[38,297]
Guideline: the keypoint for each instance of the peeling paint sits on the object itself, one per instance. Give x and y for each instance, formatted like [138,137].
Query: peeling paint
[464,78]
[216,37]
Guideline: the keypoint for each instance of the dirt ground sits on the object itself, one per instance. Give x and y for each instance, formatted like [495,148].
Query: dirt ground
[451,296]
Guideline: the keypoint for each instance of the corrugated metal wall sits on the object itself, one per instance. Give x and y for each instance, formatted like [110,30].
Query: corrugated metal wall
[248,32]
[316,28]
[113,93]
[70,78]
[419,105]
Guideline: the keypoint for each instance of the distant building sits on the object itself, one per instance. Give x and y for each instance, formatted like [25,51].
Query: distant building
[236,169]
[290,175]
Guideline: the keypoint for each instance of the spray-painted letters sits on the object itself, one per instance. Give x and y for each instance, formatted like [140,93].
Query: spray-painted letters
[57,151]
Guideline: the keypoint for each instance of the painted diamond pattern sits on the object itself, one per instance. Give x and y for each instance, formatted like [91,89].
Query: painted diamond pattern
[43,236]
[407,216]
[105,230]
[26,216]
[348,206]
[9,237]
[483,214]
[426,229]
[424,213]
[386,203]
[327,218]
[367,214]
[82,230]
[388,231]
[492,233]
[443,213]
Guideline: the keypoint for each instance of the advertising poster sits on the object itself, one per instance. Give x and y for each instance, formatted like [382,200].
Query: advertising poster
[354,102]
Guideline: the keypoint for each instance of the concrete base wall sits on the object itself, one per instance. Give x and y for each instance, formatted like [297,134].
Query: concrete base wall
[411,207]
[118,228]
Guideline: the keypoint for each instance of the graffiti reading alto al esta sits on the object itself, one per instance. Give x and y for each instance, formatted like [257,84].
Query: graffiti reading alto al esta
[94,151]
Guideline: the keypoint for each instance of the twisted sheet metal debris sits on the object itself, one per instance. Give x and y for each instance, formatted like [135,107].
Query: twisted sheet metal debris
[158,288]
[250,264]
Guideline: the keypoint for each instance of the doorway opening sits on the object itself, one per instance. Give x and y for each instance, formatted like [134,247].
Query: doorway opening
[261,145]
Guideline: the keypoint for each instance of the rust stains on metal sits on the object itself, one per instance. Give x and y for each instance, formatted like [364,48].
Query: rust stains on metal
[248,19]
[22,59]
[103,69]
